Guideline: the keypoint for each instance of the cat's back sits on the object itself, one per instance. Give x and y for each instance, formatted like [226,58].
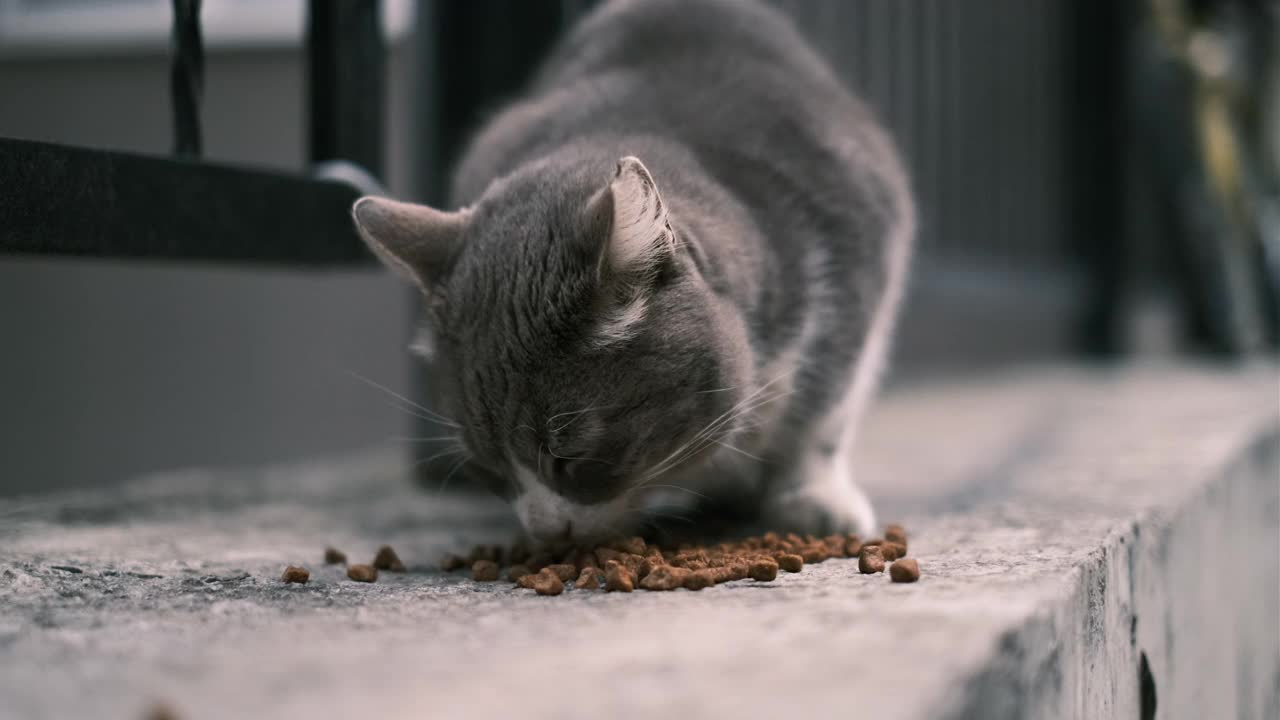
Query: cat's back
[723,78]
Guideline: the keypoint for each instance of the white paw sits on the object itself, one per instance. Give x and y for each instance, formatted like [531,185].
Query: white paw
[822,509]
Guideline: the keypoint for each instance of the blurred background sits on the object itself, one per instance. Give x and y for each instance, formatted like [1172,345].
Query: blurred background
[1097,181]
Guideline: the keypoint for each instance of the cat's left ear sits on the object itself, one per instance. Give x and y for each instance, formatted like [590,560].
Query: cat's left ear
[416,241]
[639,231]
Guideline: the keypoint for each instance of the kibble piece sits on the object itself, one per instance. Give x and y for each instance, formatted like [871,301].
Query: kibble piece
[896,533]
[583,559]
[587,580]
[763,570]
[161,711]
[648,564]
[539,560]
[295,574]
[815,553]
[906,570]
[515,572]
[633,545]
[484,571]
[790,562]
[835,545]
[699,579]
[617,578]
[492,553]
[852,546]
[548,583]
[334,556]
[604,555]
[892,551]
[527,580]
[665,577]
[386,559]
[362,573]
[870,560]
[518,553]
[564,571]
[452,562]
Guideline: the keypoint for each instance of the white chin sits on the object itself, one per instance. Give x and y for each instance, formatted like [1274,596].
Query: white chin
[548,517]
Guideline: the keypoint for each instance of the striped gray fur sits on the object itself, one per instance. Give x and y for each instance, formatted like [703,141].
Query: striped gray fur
[689,238]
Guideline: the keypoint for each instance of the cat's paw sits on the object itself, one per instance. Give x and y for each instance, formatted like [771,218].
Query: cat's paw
[821,510]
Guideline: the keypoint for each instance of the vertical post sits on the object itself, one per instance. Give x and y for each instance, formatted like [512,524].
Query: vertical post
[346,62]
[186,77]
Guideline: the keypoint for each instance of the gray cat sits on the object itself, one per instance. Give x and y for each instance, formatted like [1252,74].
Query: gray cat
[672,280]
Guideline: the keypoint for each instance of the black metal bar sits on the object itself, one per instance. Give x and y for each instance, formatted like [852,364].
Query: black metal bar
[186,77]
[346,65]
[63,200]
[477,62]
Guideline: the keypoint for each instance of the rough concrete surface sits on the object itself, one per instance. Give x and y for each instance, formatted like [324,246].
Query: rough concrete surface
[1068,523]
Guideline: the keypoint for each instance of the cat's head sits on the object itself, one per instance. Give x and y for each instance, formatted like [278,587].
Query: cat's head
[574,341]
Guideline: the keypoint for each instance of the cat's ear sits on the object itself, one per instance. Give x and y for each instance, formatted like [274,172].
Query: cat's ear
[415,241]
[640,235]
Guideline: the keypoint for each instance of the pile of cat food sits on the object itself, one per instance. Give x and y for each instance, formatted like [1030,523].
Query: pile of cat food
[625,565]
[628,564]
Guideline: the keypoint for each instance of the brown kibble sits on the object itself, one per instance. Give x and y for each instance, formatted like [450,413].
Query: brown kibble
[583,559]
[452,562]
[790,562]
[564,571]
[538,561]
[906,570]
[896,533]
[515,572]
[362,573]
[517,553]
[604,555]
[161,711]
[871,560]
[527,580]
[648,564]
[815,553]
[295,574]
[892,551]
[699,579]
[852,546]
[664,577]
[617,578]
[633,545]
[484,571]
[588,579]
[763,570]
[548,583]
[491,553]
[874,541]
[835,545]
[334,556]
[386,559]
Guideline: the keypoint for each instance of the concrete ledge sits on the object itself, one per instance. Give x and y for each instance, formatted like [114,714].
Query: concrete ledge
[1069,523]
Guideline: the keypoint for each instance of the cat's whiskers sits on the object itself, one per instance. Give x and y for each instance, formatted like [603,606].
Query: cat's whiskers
[694,493]
[574,415]
[729,414]
[453,471]
[443,453]
[408,406]
[738,450]
[700,440]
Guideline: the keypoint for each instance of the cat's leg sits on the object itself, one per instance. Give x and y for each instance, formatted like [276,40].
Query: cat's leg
[818,495]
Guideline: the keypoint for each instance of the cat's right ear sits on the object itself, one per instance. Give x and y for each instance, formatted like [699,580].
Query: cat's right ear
[415,241]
